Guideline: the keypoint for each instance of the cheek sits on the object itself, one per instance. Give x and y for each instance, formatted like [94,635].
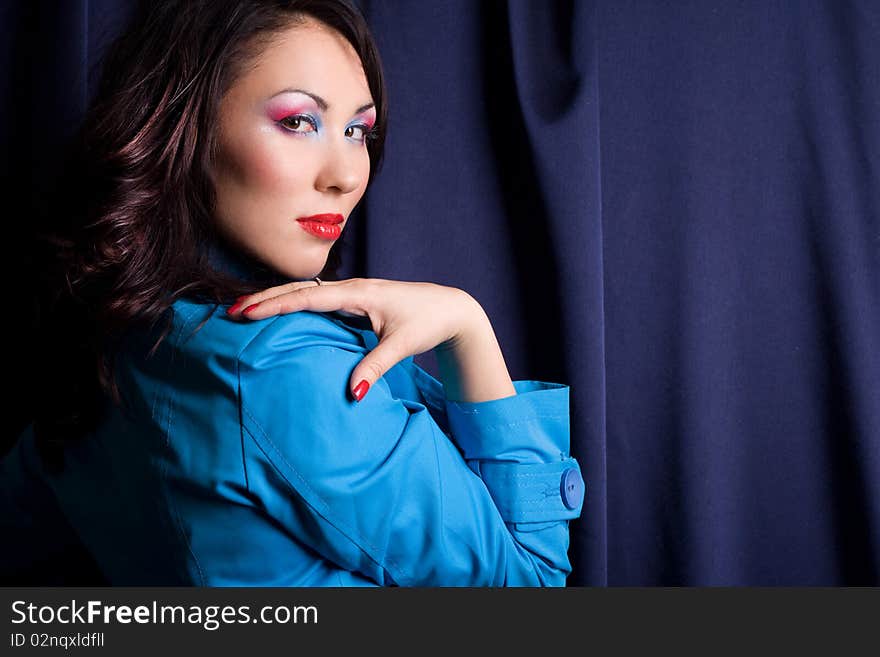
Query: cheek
[364,174]
[258,164]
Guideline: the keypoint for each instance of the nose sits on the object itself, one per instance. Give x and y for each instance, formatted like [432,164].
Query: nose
[340,171]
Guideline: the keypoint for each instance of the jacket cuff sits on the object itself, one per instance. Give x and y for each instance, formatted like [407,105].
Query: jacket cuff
[535,492]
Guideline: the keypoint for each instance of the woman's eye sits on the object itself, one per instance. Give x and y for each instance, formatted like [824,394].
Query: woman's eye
[299,123]
[358,132]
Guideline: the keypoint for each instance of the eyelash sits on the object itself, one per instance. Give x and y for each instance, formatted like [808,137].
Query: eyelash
[369,133]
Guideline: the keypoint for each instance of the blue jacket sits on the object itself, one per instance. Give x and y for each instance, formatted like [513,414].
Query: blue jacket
[245,462]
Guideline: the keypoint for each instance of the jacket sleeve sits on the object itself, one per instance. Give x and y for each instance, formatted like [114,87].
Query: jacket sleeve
[377,487]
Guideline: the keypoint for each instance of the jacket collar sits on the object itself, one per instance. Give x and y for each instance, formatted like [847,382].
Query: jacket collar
[236,263]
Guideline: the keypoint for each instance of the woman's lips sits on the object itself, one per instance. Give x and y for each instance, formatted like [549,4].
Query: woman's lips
[325,226]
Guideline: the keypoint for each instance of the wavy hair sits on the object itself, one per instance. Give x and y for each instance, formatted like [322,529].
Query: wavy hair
[125,233]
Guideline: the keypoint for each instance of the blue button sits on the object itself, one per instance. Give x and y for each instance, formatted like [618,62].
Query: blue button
[572,488]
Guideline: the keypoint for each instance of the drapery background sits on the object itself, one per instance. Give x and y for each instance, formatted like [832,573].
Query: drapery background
[673,207]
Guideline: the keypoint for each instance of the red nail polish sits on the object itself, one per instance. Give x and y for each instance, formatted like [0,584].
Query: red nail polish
[361,389]
[233,308]
[250,308]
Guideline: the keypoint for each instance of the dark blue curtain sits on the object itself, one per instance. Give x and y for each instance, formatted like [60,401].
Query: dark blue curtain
[673,207]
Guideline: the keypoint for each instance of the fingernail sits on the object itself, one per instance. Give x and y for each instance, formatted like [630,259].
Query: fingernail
[361,389]
[250,308]
[233,308]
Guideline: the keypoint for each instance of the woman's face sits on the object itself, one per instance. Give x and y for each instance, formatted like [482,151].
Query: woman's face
[291,145]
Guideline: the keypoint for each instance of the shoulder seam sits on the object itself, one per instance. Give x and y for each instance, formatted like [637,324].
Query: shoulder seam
[185,319]
[278,318]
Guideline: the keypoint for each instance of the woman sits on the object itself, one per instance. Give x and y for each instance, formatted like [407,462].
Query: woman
[219,443]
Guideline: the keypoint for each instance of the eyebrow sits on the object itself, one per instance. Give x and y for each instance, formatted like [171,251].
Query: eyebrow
[320,101]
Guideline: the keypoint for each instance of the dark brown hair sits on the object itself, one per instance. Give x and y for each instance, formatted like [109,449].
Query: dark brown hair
[126,231]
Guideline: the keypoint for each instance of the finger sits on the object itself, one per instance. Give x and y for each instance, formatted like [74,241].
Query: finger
[373,366]
[257,297]
[318,298]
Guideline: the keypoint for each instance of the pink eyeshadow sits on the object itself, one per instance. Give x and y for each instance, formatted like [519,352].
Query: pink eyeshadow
[368,117]
[278,111]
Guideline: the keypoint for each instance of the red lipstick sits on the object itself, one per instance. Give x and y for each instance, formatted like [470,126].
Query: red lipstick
[326,226]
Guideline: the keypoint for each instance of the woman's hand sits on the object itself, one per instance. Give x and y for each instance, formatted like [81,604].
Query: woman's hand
[408,318]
